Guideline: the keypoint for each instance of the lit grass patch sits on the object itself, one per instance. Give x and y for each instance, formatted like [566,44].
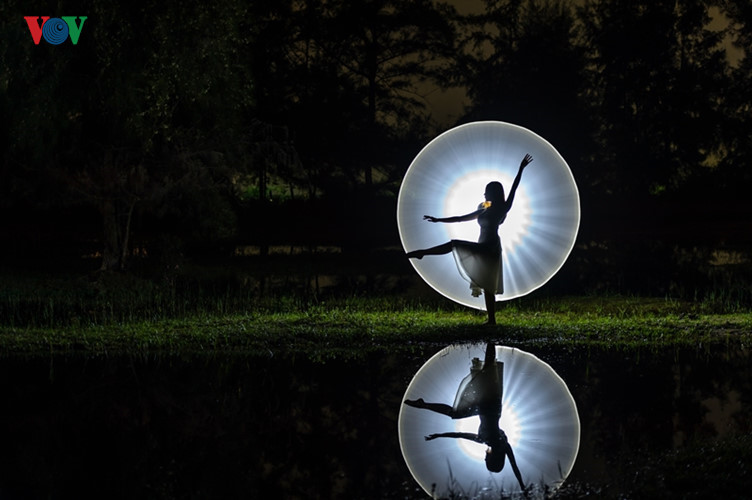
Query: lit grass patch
[367,324]
[124,313]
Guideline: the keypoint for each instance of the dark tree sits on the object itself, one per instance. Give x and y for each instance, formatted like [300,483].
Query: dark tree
[657,74]
[137,116]
[298,88]
[736,150]
[521,63]
[347,81]
[384,49]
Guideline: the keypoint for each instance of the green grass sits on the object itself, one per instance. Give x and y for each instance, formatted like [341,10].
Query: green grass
[342,325]
[209,310]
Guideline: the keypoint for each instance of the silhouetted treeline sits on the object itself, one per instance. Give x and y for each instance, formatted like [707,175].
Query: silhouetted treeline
[177,126]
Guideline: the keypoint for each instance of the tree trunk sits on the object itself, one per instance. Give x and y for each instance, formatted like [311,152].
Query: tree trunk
[115,235]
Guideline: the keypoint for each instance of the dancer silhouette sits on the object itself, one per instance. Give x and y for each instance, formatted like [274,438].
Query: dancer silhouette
[479,393]
[480,262]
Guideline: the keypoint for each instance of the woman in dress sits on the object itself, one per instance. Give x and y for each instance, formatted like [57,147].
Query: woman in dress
[480,263]
[479,393]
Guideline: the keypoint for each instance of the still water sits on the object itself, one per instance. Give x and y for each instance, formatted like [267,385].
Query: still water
[283,425]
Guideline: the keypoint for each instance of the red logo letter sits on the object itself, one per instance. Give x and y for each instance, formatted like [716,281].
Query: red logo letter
[35,27]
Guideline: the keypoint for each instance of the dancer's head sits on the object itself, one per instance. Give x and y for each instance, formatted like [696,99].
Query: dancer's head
[495,459]
[494,192]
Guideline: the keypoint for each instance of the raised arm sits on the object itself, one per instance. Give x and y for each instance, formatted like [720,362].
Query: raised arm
[524,163]
[461,435]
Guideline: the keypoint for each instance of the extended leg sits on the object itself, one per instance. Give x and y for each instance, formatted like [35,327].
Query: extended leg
[442,249]
[436,407]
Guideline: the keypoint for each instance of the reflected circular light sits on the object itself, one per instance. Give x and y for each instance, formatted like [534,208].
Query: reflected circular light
[539,417]
[448,177]
[509,422]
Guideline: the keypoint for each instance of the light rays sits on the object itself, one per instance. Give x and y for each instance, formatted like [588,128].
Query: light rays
[539,417]
[448,177]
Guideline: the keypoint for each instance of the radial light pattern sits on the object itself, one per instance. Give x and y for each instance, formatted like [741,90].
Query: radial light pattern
[448,177]
[539,417]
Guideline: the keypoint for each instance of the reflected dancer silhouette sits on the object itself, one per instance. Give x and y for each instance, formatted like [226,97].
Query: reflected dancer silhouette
[479,393]
[480,262]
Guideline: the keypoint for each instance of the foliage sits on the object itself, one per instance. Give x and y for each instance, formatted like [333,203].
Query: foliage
[175,124]
[523,62]
[657,95]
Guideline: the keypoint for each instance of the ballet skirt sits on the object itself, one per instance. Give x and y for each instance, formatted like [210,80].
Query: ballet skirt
[480,392]
[480,263]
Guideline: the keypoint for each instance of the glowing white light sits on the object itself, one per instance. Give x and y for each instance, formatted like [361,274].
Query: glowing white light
[508,422]
[539,417]
[471,187]
[448,177]
[511,424]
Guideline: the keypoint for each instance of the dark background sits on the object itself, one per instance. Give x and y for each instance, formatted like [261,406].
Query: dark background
[176,131]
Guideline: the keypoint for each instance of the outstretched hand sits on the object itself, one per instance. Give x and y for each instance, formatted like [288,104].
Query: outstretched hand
[527,160]
[416,403]
[430,218]
[431,436]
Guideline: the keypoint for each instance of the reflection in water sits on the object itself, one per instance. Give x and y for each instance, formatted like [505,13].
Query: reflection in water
[479,394]
[509,381]
[287,426]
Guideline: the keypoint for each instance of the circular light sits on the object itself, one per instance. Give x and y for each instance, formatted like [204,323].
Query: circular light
[471,186]
[539,417]
[448,177]
[509,422]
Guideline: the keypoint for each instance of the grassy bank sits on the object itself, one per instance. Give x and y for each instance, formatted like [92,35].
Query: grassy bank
[326,307]
[355,323]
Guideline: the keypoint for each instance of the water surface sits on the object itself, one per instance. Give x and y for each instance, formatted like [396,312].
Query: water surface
[283,425]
